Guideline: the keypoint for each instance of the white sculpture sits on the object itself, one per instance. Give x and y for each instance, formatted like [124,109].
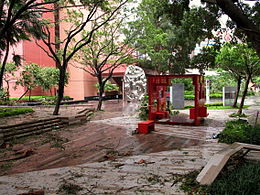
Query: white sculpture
[134,83]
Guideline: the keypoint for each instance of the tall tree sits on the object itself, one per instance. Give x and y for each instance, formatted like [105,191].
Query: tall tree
[166,32]
[18,20]
[104,54]
[206,58]
[242,61]
[97,12]
[249,24]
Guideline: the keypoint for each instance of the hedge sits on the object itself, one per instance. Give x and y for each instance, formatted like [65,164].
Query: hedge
[4,112]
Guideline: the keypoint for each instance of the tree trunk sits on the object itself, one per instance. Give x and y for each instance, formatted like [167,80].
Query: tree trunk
[101,91]
[8,90]
[244,95]
[238,91]
[100,98]
[57,28]
[3,65]
[23,94]
[60,89]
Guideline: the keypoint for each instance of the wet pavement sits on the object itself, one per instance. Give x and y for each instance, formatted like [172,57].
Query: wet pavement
[102,156]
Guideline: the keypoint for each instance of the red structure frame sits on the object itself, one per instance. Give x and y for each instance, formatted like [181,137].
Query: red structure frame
[157,88]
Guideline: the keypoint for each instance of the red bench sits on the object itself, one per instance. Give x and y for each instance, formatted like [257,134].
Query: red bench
[146,126]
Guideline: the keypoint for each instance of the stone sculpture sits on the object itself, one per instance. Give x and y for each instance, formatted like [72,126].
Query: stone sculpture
[134,83]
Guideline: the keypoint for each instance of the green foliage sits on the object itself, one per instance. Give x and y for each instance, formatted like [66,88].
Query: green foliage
[166,32]
[238,115]
[4,112]
[3,94]
[206,58]
[18,21]
[240,131]
[109,86]
[33,75]
[29,76]
[217,82]
[188,84]
[144,110]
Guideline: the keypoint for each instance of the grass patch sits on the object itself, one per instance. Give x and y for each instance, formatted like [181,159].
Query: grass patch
[4,112]
[243,179]
[240,131]
[238,115]
[215,105]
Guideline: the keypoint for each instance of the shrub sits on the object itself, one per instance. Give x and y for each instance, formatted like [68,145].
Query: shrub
[240,131]
[189,92]
[214,104]
[238,115]
[189,97]
[39,98]
[4,112]
[215,95]
[143,110]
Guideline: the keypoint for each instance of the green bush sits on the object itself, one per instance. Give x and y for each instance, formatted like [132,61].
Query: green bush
[214,104]
[39,98]
[240,131]
[188,92]
[215,95]
[4,112]
[143,110]
[189,97]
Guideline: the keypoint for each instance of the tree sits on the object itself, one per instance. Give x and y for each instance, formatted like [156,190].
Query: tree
[18,20]
[227,59]
[33,75]
[206,58]
[49,78]
[249,24]
[104,54]
[29,77]
[166,33]
[241,61]
[95,12]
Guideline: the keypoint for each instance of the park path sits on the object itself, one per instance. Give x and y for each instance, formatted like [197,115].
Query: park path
[151,168]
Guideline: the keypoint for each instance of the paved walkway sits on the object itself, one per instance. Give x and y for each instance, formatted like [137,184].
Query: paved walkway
[150,173]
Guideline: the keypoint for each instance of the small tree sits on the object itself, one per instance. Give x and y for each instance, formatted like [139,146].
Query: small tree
[49,78]
[104,54]
[227,59]
[33,75]
[29,77]
[242,61]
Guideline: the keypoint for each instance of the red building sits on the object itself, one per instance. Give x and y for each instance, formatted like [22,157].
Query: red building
[81,84]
